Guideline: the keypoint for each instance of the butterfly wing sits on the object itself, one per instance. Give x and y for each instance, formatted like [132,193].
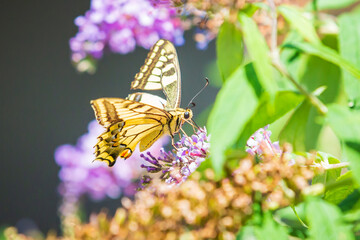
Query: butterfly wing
[161,71]
[148,98]
[127,123]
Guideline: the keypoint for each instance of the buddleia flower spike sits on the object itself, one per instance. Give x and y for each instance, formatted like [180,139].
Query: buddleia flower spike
[175,167]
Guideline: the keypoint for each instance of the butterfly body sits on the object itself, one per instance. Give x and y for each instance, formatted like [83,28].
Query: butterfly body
[132,124]
[142,118]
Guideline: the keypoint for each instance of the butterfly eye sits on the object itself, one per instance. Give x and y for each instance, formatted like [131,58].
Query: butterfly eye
[186,115]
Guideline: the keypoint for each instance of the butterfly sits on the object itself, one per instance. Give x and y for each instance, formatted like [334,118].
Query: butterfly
[142,118]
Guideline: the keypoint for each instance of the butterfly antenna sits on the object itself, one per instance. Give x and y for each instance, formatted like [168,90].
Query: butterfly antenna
[191,101]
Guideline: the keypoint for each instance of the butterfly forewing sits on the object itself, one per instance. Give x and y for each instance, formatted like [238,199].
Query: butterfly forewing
[161,71]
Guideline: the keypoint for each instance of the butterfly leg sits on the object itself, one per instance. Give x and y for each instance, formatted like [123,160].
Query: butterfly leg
[173,143]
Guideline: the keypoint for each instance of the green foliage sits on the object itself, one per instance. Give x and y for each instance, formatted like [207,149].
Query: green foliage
[344,186]
[228,117]
[271,88]
[326,221]
[334,4]
[327,54]
[265,114]
[345,124]
[268,229]
[349,44]
[301,24]
[331,175]
[259,54]
[294,130]
[229,46]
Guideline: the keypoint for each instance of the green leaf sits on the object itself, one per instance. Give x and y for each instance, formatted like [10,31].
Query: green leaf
[327,54]
[344,122]
[229,49]
[294,130]
[246,232]
[259,54]
[346,186]
[270,230]
[325,221]
[319,72]
[334,4]
[352,202]
[297,21]
[352,154]
[329,176]
[346,125]
[234,105]
[349,43]
[265,114]
[291,57]
[288,216]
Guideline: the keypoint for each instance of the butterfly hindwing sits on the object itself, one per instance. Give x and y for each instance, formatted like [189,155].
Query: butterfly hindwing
[161,71]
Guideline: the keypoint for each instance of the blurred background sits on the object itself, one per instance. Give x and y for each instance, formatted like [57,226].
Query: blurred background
[45,101]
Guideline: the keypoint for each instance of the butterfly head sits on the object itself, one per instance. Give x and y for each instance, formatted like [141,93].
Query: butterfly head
[187,114]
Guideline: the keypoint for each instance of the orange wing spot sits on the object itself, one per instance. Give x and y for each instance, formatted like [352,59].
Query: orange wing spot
[126,153]
[116,144]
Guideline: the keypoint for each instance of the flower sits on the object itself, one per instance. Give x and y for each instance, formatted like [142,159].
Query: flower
[175,167]
[260,143]
[79,175]
[120,25]
[208,15]
[203,207]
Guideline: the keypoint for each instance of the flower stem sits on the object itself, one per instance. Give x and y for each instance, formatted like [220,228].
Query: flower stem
[337,165]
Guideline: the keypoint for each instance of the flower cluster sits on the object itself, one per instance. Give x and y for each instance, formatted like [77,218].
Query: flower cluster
[260,142]
[205,208]
[79,175]
[120,25]
[208,15]
[175,167]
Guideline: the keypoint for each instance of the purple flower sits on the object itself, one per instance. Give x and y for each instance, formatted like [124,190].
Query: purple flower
[79,175]
[175,167]
[260,142]
[120,25]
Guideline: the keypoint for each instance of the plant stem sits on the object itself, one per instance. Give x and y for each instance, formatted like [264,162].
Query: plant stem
[313,99]
[281,68]
[337,165]
[298,217]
